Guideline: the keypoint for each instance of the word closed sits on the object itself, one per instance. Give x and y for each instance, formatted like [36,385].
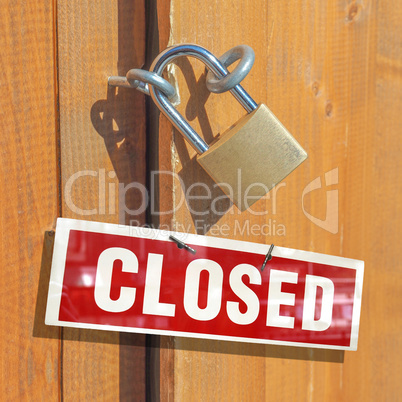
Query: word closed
[137,280]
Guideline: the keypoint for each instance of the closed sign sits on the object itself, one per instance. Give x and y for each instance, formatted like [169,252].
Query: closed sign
[121,278]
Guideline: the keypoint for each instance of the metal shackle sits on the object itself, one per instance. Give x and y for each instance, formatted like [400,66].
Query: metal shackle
[214,65]
[246,55]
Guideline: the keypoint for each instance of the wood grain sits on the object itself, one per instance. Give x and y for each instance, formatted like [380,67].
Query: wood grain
[29,350]
[331,72]
[102,135]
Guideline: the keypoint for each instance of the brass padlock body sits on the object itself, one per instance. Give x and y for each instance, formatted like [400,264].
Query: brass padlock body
[252,157]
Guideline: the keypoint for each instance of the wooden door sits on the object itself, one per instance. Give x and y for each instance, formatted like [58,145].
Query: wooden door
[68,143]
[330,71]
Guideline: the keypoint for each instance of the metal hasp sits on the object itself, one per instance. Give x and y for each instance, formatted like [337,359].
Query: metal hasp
[213,64]
[140,80]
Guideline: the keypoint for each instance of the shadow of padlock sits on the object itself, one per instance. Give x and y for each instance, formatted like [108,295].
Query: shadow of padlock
[249,158]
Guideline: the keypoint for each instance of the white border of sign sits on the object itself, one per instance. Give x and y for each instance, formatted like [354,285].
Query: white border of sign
[64,226]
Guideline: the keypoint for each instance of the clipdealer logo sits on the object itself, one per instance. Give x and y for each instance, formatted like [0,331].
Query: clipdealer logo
[330,223]
[109,191]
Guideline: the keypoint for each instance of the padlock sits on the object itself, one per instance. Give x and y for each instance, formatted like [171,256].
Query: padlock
[249,158]
[252,157]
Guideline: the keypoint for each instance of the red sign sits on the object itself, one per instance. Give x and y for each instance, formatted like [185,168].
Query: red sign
[123,278]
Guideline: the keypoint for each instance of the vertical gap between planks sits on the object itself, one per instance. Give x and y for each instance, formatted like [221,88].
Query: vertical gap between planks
[152,113]
[57,105]
[152,374]
[133,347]
[58,166]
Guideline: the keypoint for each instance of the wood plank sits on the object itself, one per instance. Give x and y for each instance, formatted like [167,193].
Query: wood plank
[382,321]
[29,200]
[331,72]
[102,134]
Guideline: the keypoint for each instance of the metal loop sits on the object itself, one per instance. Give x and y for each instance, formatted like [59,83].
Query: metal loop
[246,55]
[167,108]
[150,78]
[141,79]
